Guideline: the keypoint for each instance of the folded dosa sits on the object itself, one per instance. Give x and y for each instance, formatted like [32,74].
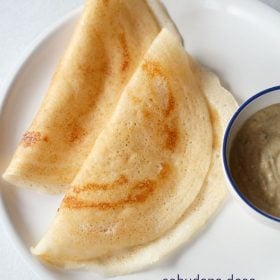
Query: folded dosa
[213,192]
[107,46]
[146,167]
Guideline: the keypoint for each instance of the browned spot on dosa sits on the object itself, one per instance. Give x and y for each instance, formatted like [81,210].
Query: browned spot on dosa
[86,69]
[91,72]
[125,52]
[147,114]
[30,138]
[171,135]
[141,191]
[138,193]
[76,133]
[214,118]
[171,104]
[165,171]
[154,69]
[90,187]
[135,99]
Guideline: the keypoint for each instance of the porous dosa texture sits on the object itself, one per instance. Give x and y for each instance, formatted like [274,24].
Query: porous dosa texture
[105,50]
[221,105]
[146,168]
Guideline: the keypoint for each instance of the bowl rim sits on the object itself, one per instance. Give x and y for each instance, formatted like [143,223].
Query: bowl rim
[224,152]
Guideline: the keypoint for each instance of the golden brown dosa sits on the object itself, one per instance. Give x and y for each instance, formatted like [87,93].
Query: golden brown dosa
[221,105]
[106,48]
[146,167]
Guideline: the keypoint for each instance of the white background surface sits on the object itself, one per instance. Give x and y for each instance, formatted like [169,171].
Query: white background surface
[21,21]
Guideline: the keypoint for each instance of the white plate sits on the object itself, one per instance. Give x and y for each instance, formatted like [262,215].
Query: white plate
[239,39]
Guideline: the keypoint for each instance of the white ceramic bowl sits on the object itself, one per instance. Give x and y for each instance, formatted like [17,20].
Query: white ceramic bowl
[248,108]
